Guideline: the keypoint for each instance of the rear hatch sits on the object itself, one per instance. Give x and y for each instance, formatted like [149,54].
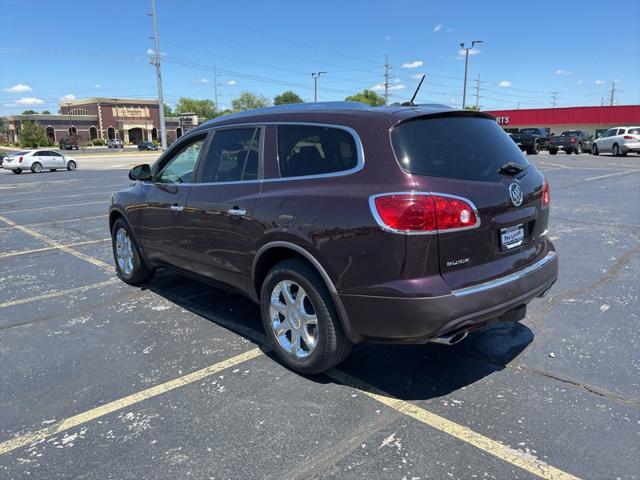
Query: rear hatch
[461,154]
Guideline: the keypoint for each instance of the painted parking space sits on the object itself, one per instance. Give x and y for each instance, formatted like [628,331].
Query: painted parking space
[106,341]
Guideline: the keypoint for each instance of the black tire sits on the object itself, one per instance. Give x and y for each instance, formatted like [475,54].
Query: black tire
[615,150]
[594,150]
[332,345]
[140,272]
[578,149]
[17,171]
[553,151]
[71,165]
[36,167]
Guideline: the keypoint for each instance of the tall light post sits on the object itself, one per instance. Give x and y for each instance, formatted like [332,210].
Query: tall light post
[156,61]
[466,64]
[316,76]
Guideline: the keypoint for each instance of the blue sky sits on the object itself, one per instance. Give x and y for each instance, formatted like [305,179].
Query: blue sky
[50,50]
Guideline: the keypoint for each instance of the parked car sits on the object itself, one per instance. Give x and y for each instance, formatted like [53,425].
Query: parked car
[571,141]
[115,143]
[532,140]
[68,143]
[147,146]
[619,141]
[38,160]
[440,231]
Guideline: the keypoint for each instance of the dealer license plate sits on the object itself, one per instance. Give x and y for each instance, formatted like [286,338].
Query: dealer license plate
[512,237]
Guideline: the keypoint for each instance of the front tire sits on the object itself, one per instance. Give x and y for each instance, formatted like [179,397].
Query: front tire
[71,165]
[130,266]
[594,150]
[36,167]
[615,151]
[553,151]
[578,150]
[300,319]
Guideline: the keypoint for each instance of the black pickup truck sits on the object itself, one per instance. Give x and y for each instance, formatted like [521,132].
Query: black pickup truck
[575,141]
[532,140]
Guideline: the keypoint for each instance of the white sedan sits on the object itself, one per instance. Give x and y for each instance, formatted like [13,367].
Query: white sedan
[38,160]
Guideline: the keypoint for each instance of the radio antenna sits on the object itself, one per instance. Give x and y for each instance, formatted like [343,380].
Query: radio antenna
[410,102]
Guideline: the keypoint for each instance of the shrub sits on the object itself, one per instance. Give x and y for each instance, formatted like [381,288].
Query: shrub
[98,142]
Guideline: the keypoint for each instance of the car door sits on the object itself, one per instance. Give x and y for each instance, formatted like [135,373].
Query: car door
[220,210]
[161,220]
[607,140]
[56,160]
[42,157]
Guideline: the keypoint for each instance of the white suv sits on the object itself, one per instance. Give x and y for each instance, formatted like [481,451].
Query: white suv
[618,141]
[38,160]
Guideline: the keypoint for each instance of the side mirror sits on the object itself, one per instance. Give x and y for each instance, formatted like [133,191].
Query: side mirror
[141,172]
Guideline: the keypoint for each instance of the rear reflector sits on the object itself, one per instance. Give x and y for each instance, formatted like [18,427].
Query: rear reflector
[415,212]
[546,196]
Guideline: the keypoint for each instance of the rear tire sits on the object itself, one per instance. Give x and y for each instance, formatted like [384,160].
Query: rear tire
[130,266]
[314,320]
[71,165]
[17,171]
[36,167]
[578,150]
[553,151]
[615,151]
[594,150]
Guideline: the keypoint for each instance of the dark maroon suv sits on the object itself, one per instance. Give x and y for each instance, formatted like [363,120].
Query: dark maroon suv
[346,223]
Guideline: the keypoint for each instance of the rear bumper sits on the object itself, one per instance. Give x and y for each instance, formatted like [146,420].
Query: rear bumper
[417,320]
[630,147]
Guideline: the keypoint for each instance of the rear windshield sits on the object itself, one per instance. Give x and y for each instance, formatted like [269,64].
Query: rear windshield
[634,131]
[468,148]
[19,153]
[568,134]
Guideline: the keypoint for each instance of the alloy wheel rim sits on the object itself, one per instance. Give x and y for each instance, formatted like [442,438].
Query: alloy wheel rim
[293,319]
[124,251]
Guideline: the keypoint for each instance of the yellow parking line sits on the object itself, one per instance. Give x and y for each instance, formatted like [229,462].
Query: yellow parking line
[520,459]
[45,249]
[53,243]
[74,421]
[58,293]
[104,202]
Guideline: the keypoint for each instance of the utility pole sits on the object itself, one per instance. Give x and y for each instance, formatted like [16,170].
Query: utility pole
[554,98]
[316,76]
[612,99]
[466,65]
[156,61]
[478,93]
[387,67]
[215,86]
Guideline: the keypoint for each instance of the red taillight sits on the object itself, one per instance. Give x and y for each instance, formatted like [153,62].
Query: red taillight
[422,212]
[546,196]
[629,137]
[572,139]
[20,159]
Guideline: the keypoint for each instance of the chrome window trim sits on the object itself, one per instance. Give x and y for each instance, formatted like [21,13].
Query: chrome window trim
[481,287]
[376,215]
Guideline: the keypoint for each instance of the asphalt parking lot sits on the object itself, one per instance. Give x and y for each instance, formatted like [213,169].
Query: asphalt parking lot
[102,380]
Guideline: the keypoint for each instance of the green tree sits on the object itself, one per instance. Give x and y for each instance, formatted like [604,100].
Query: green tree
[204,109]
[167,110]
[46,112]
[472,107]
[287,97]
[29,112]
[367,96]
[32,135]
[249,101]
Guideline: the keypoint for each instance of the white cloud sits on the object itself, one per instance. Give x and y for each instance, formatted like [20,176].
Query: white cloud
[150,51]
[417,76]
[504,84]
[563,73]
[203,80]
[397,80]
[231,82]
[19,88]
[68,97]
[600,82]
[29,101]
[97,85]
[387,37]
[414,64]
[580,82]
[473,51]
[437,28]
[380,87]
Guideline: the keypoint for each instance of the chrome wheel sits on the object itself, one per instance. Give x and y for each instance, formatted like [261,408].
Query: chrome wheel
[124,252]
[293,319]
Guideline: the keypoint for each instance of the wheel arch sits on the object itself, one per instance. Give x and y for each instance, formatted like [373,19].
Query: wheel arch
[276,251]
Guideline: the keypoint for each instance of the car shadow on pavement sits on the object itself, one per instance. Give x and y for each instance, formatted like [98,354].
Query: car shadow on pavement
[408,372]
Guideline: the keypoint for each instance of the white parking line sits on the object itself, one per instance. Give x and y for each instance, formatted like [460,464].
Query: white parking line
[104,202]
[55,223]
[58,293]
[45,249]
[610,175]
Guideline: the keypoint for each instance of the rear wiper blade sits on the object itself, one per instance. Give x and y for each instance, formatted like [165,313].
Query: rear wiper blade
[511,169]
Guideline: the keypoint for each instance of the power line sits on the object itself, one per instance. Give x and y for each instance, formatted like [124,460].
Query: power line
[387,67]
[612,99]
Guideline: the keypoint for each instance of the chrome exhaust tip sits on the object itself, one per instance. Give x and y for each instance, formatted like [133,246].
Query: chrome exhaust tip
[452,338]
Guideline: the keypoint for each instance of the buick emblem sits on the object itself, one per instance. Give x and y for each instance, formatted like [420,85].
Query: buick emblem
[515,192]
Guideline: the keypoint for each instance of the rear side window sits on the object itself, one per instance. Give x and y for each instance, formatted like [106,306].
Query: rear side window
[233,156]
[467,148]
[634,131]
[305,150]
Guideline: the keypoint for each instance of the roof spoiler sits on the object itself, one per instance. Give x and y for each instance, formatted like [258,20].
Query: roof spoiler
[450,113]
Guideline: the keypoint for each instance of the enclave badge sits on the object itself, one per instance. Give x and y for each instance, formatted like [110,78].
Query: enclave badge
[515,192]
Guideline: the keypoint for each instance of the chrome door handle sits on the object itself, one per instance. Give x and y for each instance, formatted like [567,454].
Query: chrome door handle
[237,211]
[176,208]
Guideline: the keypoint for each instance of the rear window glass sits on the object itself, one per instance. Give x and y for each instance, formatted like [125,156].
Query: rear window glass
[467,148]
[634,131]
[19,153]
[314,150]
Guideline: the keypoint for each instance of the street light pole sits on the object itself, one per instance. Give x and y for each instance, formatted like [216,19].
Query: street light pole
[466,65]
[316,76]
[156,61]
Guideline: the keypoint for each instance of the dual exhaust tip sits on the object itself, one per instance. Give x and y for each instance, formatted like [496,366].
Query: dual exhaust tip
[451,338]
